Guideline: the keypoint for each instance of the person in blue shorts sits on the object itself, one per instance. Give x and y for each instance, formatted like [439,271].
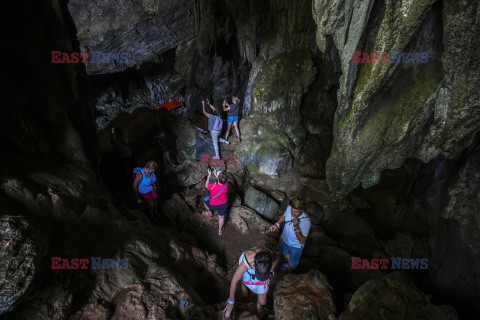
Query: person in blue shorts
[232,116]
[295,233]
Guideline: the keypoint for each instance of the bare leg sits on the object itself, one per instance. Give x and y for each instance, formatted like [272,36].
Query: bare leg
[206,207]
[221,222]
[287,257]
[235,124]
[167,156]
[261,301]
[228,131]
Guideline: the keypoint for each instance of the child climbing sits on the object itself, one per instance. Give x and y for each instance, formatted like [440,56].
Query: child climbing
[214,125]
[255,268]
[232,114]
[217,200]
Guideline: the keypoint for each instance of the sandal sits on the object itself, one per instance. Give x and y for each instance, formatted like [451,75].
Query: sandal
[207,213]
[221,231]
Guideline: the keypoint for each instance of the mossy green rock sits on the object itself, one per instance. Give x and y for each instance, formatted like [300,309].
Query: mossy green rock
[388,112]
[273,133]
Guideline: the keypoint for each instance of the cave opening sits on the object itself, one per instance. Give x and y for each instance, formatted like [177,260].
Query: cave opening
[384,157]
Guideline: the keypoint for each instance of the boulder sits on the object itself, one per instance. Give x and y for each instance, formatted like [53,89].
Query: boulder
[186,174]
[352,232]
[325,255]
[244,218]
[394,297]
[261,203]
[409,246]
[22,249]
[304,296]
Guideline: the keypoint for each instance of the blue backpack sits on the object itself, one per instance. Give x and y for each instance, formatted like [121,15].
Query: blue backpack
[217,126]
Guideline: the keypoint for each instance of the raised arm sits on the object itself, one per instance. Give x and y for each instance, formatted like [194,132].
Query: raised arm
[226,107]
[298,231]
[207,182]
[203,109]
[241,269]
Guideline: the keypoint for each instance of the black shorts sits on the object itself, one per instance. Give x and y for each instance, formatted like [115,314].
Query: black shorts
[222,208]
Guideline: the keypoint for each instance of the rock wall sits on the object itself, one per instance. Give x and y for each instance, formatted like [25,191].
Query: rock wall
[390,112]
[140,30]
[47,111]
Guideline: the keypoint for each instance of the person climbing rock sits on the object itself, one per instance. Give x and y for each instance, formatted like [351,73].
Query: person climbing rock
[161,138]
[122,153]
[217,200]
[295,233]
[255,268]
[144,187]
[214,126]
[232,116]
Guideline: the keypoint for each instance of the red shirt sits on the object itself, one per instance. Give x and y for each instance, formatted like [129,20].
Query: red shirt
[214,190]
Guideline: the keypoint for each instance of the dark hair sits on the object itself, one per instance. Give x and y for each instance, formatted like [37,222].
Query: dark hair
[222,178]
[297,203]
[263,262]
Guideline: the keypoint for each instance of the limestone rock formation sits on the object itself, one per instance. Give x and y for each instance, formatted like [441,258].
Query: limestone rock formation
[464,202]
[140,30]
[22,249]
[261,203]
[305,296]
[385,114]
[387,298]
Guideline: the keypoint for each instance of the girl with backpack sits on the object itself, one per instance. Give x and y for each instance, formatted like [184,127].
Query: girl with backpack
[214,126]
[217,200]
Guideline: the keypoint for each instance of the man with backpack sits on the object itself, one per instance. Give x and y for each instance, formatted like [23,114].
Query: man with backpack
[214,126]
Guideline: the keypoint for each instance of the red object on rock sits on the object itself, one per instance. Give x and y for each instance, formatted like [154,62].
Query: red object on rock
[170,105]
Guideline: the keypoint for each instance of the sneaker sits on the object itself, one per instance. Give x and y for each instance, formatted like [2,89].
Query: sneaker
[284,266]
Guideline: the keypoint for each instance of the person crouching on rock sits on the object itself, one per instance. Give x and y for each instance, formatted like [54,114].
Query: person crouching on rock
[295,233]
[255,268]
[145,187]
[217,200]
